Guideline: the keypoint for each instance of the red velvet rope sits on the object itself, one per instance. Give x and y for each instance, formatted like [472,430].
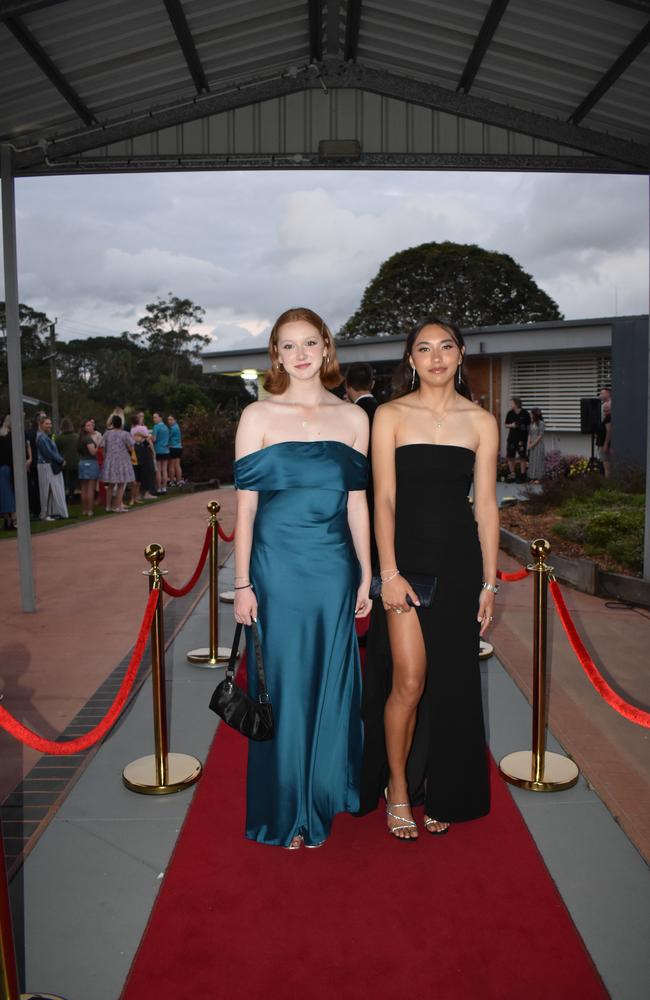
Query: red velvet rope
[223,536]
[32,739]
[520,574]
[181,591]
[636,715]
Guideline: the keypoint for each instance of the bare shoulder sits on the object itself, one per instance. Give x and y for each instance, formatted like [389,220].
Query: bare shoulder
[255,413]
[357,416]
[391,412]
[483,420]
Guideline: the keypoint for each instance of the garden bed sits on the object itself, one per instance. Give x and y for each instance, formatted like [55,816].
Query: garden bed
[520,521]
[595,527]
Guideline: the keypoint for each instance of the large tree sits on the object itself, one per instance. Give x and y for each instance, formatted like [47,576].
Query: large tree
[34,329]
[459,281]
[167,330]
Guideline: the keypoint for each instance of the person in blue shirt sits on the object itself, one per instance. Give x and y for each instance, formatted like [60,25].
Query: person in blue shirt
[160,436]
[175,451]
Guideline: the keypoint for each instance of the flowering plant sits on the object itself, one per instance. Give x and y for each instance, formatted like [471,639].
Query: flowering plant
[557,465]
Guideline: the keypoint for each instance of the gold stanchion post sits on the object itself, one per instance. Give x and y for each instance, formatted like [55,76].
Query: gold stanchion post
[215,654]
[163,772]
[485,650]
[538,770]
[9,989]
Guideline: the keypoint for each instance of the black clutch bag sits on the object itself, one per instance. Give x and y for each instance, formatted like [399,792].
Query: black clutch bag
[424,587]
[251,717]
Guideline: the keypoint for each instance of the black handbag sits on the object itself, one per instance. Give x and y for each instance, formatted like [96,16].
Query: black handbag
[251,717]
[424,587]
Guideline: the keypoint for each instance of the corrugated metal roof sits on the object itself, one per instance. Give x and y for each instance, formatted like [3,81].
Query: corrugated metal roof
[116,59]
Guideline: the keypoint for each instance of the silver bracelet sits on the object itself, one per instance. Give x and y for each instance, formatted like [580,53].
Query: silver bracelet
[492,587]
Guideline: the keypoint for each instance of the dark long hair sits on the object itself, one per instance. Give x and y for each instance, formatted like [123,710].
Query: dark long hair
[403,374]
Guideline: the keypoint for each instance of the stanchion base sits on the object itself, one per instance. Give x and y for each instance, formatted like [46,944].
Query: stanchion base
[486,650]
[202,658]
[559,772]
[182,771]
[228,597]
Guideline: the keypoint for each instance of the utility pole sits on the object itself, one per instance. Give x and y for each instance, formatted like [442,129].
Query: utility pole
[54,385]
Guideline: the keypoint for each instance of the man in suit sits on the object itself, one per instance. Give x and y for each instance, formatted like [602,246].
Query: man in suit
[358,386]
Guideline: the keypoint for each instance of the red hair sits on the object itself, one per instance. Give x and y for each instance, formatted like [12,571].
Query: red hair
[276,380]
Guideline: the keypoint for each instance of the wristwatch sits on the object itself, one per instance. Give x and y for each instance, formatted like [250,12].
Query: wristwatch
[493,587]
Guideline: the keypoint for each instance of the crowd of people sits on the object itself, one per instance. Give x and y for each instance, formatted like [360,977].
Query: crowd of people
[525,447]
[124,464]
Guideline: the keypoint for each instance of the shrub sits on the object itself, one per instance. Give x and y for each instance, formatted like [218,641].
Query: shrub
[604,526]
[208,444]
[628,551]
[573,528]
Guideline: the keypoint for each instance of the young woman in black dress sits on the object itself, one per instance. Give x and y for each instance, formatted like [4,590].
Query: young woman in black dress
[425,738]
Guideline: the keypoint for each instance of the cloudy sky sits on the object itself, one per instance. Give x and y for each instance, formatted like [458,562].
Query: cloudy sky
[245,246]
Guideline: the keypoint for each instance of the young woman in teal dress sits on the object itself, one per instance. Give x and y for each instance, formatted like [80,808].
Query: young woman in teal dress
[422,705]
[302,571]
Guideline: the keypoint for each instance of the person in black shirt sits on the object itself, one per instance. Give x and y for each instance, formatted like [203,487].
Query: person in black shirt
[518,424]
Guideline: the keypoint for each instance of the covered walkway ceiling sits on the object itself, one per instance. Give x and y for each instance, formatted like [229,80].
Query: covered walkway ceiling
[235,84]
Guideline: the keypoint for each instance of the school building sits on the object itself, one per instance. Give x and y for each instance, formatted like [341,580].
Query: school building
[552,365]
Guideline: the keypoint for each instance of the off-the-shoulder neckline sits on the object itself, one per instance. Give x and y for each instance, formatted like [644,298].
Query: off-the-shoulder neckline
[279,444]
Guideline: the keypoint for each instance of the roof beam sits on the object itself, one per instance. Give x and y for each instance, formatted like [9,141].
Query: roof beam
[352,26]
[482,109]
[44,63]
[642,5]
[626,58]
[315,31]
[338,74]
[186,42]
[16,8]
[313,161]
[332,33]
[490,24]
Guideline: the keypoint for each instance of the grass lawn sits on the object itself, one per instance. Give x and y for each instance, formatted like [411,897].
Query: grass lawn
[75,519]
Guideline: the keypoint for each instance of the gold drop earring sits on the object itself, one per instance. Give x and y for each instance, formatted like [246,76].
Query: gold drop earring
[412,379]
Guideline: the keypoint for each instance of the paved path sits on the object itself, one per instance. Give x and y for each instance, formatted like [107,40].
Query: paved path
[612,753]
[90,597]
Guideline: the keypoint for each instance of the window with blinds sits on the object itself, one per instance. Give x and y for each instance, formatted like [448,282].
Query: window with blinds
[557,383]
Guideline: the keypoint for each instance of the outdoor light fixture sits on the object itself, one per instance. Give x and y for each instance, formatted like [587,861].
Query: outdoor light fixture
[342,148]
[249,374]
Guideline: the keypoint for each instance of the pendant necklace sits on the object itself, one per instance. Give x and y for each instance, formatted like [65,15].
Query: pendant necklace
[439,422]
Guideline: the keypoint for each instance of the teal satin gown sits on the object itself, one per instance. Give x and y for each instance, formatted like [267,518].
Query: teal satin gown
[305,574]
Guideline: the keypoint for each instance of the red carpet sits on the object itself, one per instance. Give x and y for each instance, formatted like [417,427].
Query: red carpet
[473,915]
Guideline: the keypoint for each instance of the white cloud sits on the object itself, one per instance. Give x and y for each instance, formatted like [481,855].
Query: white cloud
[245,246]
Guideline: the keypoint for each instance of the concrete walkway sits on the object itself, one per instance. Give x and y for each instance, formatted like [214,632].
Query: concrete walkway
[612,753]
[90,600]
[83,896]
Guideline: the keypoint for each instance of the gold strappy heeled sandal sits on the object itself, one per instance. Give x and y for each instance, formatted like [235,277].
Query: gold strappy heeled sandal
[403,823]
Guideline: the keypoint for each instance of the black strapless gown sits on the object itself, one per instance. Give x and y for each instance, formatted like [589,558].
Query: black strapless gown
[435,533]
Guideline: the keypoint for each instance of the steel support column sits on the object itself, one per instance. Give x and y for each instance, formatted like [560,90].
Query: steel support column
[646,539]
[15,373]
